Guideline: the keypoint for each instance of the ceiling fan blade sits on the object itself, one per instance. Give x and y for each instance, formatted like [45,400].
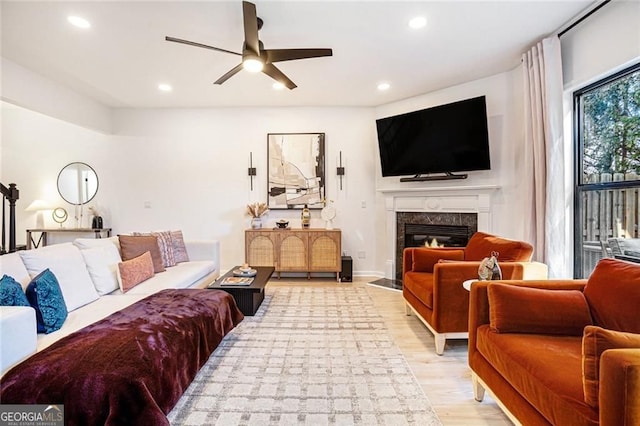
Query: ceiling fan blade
[229,74]
[250,27]
[277,75]
[193,43]
[279,55]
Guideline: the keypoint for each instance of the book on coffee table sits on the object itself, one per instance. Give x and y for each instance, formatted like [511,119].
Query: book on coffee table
[237,281]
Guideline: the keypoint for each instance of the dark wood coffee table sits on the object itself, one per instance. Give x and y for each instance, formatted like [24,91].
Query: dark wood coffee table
[247,297]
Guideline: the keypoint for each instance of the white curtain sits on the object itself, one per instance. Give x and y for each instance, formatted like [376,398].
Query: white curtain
[546,226]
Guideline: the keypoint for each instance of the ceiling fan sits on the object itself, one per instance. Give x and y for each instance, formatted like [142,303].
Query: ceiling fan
[255,57]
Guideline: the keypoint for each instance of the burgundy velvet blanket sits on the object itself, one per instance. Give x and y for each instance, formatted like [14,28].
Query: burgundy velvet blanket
[131,367]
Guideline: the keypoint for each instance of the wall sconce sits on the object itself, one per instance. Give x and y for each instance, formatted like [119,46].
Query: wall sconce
[252,170]
[340,170]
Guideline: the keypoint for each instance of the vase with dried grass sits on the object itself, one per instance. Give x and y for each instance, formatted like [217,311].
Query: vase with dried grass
[256,211]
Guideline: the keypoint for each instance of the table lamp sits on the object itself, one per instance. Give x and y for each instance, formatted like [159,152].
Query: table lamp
[38,206]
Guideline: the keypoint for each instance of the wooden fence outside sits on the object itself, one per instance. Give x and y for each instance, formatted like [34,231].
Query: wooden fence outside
[606,214]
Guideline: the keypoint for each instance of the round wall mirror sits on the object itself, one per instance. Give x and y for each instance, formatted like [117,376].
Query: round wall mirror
[77,183]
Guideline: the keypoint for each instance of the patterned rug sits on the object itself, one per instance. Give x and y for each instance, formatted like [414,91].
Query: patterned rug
[310,356]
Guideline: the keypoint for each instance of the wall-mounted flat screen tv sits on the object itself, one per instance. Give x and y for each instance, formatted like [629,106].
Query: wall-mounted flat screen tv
[442,139]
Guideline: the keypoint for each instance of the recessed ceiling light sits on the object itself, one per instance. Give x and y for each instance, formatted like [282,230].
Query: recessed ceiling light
[418,22]
[79,22]
[278,86]
[384,86]
[164,87]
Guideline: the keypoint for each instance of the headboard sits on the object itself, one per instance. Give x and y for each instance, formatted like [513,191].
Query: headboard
[10,195]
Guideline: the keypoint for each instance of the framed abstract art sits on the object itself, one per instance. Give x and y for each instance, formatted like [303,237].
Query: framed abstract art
[296,167]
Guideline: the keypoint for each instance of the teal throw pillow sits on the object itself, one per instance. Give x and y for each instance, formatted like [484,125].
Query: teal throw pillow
[11,293]
[44,294]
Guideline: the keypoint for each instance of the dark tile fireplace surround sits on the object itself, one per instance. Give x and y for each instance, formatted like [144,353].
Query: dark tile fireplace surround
[414,229]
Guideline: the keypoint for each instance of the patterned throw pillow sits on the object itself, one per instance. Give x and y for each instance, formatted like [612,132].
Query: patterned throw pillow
[134,271]
[165,245]
[45,296]
[179,248]
[11,293]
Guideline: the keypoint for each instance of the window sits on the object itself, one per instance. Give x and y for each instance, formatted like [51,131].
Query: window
[607,180]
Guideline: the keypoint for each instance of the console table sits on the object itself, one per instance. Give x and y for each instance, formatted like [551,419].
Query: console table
[295,250]
[44,232]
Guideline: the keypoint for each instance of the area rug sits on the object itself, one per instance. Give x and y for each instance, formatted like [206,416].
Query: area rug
[310,356]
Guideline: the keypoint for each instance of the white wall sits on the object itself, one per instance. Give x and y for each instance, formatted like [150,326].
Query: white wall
[190,165]
[23,87]
[602,43]
[504,110]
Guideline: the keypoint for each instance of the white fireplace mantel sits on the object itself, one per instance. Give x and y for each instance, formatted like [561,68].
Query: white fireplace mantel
[450,199]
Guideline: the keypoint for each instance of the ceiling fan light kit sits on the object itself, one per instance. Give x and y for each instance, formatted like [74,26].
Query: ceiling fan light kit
[252,64]
[255,57]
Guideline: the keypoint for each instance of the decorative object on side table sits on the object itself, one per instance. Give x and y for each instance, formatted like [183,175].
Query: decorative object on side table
[244,271]
[96,221]
[305,217]
[256,211]
[328,213]
[282,224]
[489,268]
[60,215]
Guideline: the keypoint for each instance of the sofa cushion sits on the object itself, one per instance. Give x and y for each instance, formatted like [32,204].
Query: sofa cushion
[613,294]
[102,264]
[425,258]
[179,248]
[11,264]
[165,245]
[183,275]
[11,293]
[514,309]
[45,296]
[595,341]
[67,264]
[545,369]
[133,246]
[87,243]
[420,284]
[134,271]
[481,245]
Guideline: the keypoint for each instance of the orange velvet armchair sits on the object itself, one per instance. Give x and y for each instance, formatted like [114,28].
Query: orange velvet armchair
[560,352]
[433,277]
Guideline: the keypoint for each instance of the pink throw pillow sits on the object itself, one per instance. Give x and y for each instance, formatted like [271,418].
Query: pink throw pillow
[134,271]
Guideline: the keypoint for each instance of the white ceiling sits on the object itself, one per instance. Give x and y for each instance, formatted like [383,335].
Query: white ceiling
[123,57]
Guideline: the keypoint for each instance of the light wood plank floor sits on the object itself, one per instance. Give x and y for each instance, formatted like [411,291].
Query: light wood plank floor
[446,379]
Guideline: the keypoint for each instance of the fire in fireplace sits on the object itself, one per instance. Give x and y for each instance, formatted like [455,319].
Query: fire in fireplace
[417,235]
[416,229]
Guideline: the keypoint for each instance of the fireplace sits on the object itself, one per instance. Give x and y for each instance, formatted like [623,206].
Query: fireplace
[457,205]
[416,229]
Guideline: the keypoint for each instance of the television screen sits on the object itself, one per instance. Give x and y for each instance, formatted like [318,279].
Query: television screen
[442,139]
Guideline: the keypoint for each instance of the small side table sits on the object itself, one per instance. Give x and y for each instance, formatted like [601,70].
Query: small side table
[467,284]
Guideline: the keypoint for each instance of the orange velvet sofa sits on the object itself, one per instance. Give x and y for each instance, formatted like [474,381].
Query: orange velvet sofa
[432,280]
[560,352]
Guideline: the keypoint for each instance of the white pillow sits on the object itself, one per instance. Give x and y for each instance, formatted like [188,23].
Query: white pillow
[11,264]
[102,264]
[87,243]
[67,264]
